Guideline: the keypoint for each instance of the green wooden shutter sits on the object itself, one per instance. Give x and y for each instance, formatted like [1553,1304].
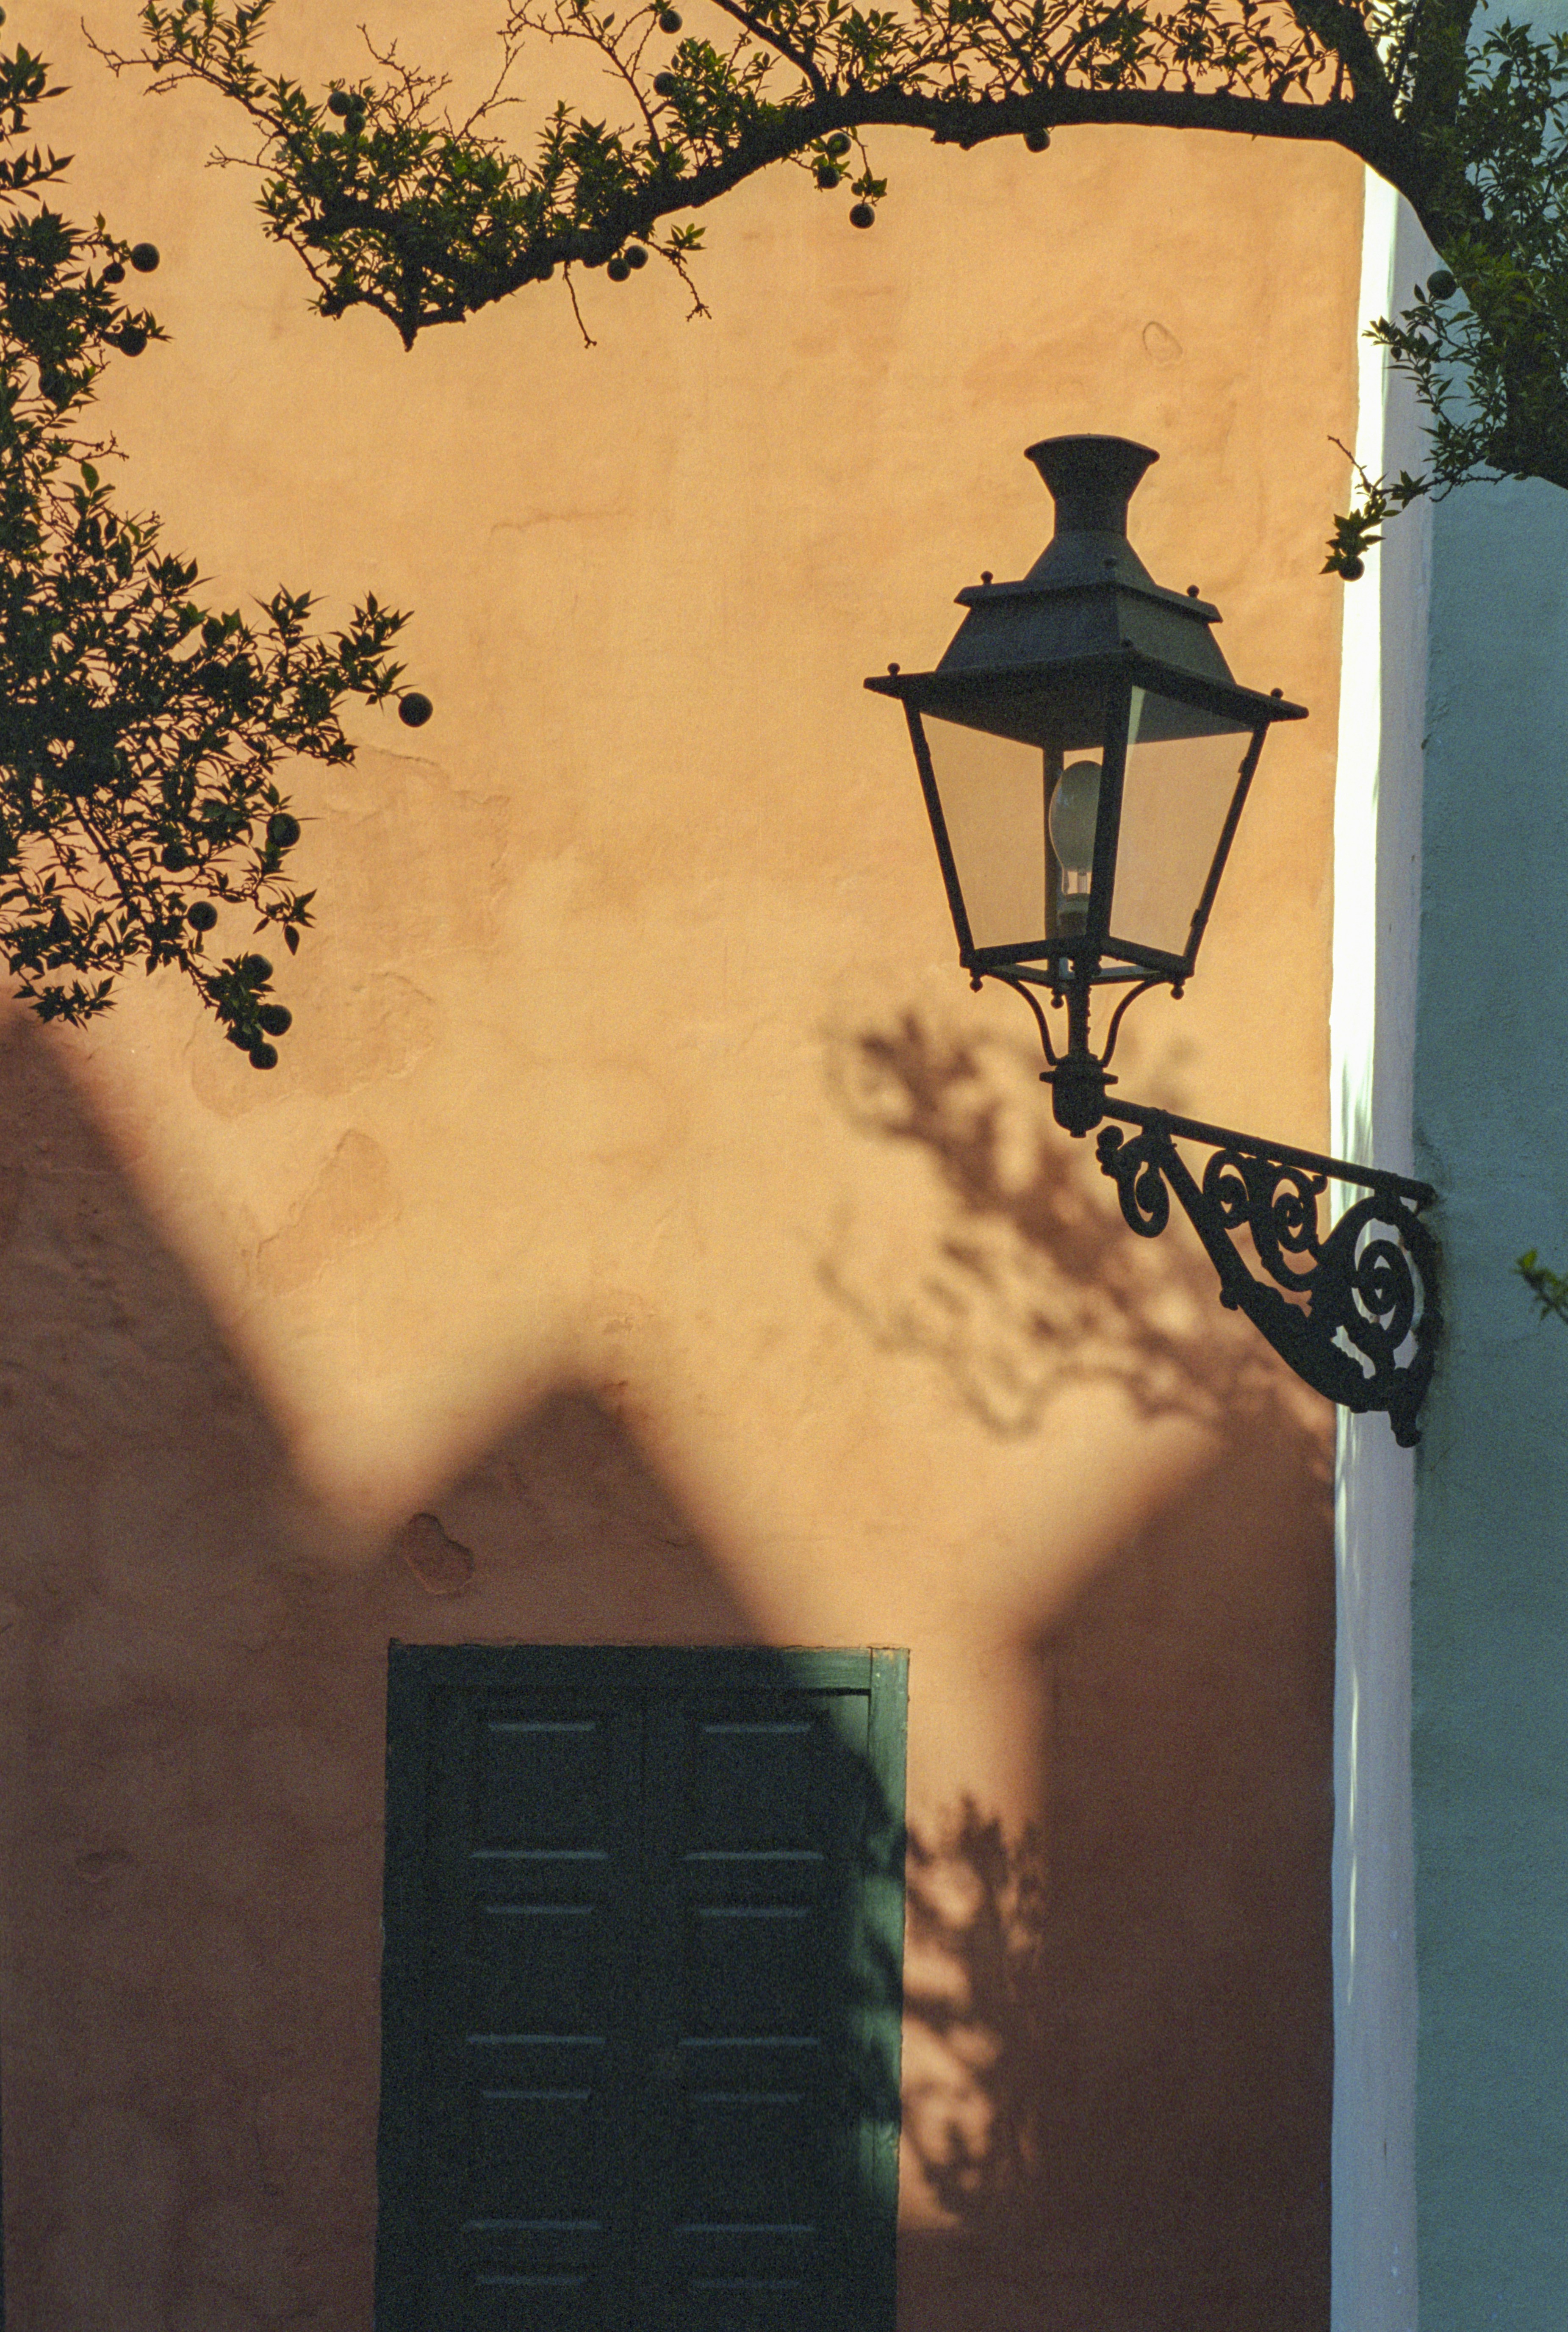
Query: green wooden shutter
[641,1990]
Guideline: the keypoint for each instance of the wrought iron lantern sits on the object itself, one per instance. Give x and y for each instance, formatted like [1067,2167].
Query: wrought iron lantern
[1085,756]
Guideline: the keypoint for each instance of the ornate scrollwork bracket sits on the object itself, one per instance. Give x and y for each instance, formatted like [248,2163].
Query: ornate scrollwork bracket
[1366,1323]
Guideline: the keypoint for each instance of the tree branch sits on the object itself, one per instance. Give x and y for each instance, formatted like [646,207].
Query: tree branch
[393,206]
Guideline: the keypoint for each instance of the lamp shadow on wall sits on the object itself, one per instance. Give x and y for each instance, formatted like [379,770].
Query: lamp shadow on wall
[1022,1278]
[1118,2085]
[1117,2069]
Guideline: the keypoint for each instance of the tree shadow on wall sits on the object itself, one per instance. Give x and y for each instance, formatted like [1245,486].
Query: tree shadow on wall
[1119,2064]
[193,1664]
[1009,1261]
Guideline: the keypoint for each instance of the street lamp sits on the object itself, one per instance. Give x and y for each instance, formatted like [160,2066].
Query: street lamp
[1086,757]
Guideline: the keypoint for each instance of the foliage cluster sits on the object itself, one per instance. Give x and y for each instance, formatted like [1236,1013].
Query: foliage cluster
[396,204]
[142,734]
[1549,1288]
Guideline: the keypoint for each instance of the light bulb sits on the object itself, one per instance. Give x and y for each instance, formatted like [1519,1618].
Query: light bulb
[1074,814]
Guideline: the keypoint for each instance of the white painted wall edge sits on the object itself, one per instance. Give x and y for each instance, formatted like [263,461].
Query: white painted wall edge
[1376,879]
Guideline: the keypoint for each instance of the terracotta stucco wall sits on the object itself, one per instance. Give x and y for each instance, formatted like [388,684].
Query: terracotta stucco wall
[644,1204]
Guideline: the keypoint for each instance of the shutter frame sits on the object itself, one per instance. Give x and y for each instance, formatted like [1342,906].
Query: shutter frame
[427,1686]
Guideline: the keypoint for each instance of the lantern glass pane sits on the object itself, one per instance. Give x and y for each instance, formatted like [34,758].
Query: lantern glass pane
[1019,785]
[993,794]
[1183,767]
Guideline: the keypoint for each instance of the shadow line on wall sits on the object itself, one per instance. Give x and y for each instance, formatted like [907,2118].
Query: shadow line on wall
[1121,2102]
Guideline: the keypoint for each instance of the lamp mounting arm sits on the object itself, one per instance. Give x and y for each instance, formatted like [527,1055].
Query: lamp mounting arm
[1366,1333]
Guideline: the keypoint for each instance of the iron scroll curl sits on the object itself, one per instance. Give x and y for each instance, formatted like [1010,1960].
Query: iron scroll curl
[1364,1324]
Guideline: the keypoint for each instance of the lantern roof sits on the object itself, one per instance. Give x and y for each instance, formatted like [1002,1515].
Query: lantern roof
[1088,598]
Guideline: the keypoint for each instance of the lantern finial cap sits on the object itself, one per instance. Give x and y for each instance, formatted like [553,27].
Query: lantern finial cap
[1092,480]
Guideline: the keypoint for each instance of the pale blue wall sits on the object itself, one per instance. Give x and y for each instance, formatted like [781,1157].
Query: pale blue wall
[1489,1606]
[1451,2074]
